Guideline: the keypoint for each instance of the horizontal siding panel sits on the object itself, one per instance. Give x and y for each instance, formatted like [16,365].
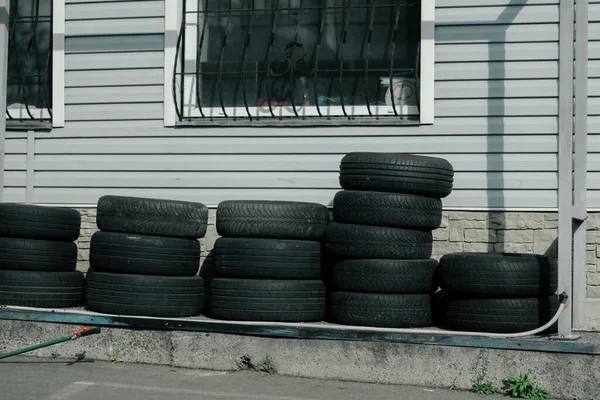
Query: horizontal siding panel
[121,9]
[496,107]
[15,179]
[299,145]
[103,61]
[14,195]
[16,146]
[496,33]
[15,162]
[594,106]
[483,89]
[496,52]
[276,162]
[496,15]
[442,127]
[113,78]
[487,3]
[114,112]
[498,70]
[594,31]
[458,198]
[283,180]
[116,43]
[116,27]
[119,94]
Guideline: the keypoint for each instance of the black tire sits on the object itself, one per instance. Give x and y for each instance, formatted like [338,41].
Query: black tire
[497,315]
[41,289]
[381,310]
[37,255]
[38,222]
[385,276]
[348,241]
[125,253]
[394,172]
[152,296]
[272,219]
[267,300]
[267,258]
[495,274]
[152,216]
[395,210]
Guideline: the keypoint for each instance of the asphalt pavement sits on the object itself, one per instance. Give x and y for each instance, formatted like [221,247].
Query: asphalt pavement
[47,379]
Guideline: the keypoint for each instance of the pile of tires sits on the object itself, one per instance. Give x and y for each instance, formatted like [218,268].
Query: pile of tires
[268,262]
[38,257]
[381,240]
[145,258]
[496,293]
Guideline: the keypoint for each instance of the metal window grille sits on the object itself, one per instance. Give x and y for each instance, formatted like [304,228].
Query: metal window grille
[29,86]
[311,61]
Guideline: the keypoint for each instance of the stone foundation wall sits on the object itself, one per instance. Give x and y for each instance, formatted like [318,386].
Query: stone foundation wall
[460,231]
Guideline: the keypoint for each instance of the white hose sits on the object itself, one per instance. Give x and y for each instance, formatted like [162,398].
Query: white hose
[429,331]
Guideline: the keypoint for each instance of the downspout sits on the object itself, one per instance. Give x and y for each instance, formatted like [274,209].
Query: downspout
[4,13]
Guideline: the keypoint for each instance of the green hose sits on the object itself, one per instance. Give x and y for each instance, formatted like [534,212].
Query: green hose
[51,342]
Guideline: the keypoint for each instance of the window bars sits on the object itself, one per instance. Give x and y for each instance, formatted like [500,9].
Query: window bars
[29,83]
[298,60]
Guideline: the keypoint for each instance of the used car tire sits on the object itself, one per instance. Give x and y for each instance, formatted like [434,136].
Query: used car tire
[267,258]
[349,241]
[38,222]
[396,210]
[497,315]
[381,310]
[385,276]
[272,219]
[497,274]
[41,289]
[37,255]
[267,300]
[156,217]
[126,253]
[153,296]
[394,172]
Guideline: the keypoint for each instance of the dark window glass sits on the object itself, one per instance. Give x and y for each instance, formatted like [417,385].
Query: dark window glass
[29,60]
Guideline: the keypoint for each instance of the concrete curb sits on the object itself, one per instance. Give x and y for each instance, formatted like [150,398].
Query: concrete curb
[565,375]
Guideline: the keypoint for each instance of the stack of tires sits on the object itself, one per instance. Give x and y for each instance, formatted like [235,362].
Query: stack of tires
[145,258]
[497,293]
[38,257]
[268,262]
[381,239]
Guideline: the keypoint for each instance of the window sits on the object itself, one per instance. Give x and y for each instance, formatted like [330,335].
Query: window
[32,59]
[301,61]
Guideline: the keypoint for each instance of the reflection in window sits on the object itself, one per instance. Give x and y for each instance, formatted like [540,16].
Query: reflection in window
[29,90]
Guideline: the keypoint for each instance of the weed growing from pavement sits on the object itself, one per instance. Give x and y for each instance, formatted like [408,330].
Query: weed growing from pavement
[522,387]
[483,387]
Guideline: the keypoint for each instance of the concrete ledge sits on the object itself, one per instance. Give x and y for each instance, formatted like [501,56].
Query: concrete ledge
[566,375]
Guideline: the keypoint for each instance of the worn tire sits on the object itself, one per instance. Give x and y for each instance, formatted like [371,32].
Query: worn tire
[495,274]
[156,217]
[495,315]
[37,255]
[267,258]
[385,276]
[272,219]
[153,296]
[125,253]
[41,289]
[38,222]
[381,310]
[267,300]
[348,241]
[394,210]
[394,172]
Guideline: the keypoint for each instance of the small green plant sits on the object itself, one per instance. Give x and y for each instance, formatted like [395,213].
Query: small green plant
[115,357]
[523,388]
[267,365]
[483,387]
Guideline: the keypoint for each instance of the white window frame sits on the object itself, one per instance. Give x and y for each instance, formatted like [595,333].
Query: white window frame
[58,76]
[173,22]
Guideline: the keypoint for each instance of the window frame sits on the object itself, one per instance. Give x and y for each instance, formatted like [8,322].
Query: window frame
[58,81]
[173,26]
